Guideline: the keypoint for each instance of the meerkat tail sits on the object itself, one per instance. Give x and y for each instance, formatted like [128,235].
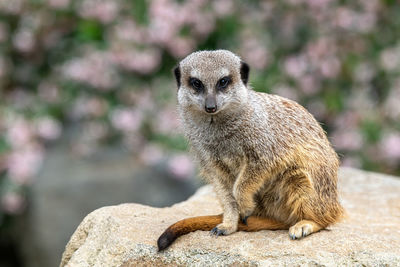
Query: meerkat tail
[206,223]
[185,226]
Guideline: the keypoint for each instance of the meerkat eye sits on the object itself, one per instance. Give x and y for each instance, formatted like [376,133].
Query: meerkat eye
[223,83]
[196,84]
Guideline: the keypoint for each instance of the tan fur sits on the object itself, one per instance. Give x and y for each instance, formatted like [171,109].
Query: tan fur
[265,155]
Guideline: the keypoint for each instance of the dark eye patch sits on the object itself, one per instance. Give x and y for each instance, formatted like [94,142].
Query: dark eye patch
[196,84]
[223,82]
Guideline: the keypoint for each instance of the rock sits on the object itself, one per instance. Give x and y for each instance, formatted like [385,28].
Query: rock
[126,235]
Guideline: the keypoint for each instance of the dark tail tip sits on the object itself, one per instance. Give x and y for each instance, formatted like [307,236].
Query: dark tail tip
[166,239]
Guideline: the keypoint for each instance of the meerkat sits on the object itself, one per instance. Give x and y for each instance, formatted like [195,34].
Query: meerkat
[268,159]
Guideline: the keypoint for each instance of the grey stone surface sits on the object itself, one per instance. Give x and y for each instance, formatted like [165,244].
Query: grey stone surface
[126,235]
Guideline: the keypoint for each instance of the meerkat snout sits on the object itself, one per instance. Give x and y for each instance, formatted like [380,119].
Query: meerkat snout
[211,104]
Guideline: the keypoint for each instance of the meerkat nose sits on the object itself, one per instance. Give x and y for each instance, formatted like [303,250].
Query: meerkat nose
[211,104]
[211,109]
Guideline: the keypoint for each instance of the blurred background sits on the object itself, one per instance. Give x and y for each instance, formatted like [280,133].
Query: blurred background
[87,98]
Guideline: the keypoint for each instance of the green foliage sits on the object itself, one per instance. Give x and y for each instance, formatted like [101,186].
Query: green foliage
[224,35]
[333,100]
[140,11]
[89,31]
[177,143]
[372,131]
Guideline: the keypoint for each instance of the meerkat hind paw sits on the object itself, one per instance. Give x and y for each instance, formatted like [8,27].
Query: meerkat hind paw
[300,230]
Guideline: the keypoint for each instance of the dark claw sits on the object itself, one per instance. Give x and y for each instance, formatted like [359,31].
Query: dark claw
[244,219]
[217,232]
[304,234]
[293,237]
[220,232]
[213,231]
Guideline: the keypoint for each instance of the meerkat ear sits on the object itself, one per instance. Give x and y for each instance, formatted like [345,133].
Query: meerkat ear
[177,72]
[244,72]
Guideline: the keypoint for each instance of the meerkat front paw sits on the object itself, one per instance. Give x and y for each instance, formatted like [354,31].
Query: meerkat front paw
[223,229]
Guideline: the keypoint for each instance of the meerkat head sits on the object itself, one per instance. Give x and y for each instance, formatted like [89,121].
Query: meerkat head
[212,81]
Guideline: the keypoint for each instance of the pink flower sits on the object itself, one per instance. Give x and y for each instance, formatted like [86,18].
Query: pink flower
[362,101]
[353,162]
[164,21]
[364,72]
[357,21]
[133,141]
[164,9]
[161,32]
[309,84]
[330,67]
[24,40]
[347,120]
[365,22]
[128,30]
[24,163]
[223,7]
[203,23]
[390,59]
[48,128]
[88,141]
[295,66]
[350,140]
[180,47]
[13,203]
[93,131]
[126,119]
[144,100]
[255,53]
[167,121]
[94,69]
[21,98]
[143,62]
[371,5]
[285,91]
[96,106]
[181,166]
[321,49]
[390,147]
[151,154]
[103,10]
[59,4]
[19,132]
[85,107]
[344,17]
[11,7]
[79,108]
